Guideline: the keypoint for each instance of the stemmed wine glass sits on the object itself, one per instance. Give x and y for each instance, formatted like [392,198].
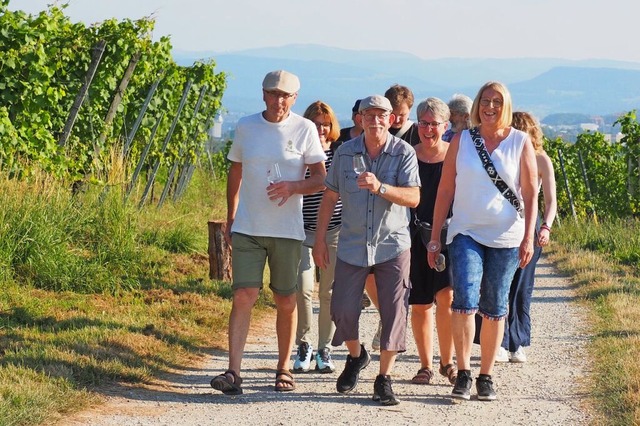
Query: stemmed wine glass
[359,166]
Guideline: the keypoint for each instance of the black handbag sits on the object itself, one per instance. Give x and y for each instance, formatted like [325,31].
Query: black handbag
[424,228]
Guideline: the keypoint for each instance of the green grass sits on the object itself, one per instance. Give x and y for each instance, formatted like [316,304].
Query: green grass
[96,293]
[598,258]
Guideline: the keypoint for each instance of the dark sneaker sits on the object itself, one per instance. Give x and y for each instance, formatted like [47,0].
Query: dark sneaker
[323,361]
[366,302]
[461,390]
[349,377]
[484,386]
[303,358]
[382,391]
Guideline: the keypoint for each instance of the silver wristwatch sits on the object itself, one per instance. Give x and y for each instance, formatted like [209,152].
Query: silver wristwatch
[382,189]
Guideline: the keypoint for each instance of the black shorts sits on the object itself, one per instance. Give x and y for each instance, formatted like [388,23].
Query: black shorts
[426,282]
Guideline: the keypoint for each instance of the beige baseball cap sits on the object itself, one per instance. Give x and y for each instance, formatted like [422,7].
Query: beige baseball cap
[281,80]
[375,101]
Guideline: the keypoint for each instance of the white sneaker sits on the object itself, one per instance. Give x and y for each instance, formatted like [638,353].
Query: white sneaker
[303,358]
[375,343]
[519,355]
[502,355]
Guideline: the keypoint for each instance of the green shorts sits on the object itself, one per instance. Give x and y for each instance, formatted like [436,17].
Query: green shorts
[248,258]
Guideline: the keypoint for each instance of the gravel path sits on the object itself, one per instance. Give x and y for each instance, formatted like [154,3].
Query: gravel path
[543,391]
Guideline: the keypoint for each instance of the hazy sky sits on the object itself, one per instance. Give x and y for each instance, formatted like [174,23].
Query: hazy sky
[427,28]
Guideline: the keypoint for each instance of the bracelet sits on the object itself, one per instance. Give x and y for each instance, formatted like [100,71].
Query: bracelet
[545,226]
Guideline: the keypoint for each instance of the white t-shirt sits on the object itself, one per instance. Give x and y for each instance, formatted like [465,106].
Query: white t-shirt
[479,209]
[258,143]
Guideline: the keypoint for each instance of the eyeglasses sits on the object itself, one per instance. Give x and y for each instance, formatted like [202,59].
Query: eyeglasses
[279,95]
[325,125]
[496,102]
[372,117]
[425,124]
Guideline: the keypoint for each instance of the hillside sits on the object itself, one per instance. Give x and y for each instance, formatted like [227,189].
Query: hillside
[338,76]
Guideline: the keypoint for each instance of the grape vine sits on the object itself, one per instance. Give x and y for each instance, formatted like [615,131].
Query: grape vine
[603,176]
[43,63]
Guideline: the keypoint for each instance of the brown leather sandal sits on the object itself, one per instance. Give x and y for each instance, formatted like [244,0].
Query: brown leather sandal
[287,384]
[423,377]
[228,383]
[449,371]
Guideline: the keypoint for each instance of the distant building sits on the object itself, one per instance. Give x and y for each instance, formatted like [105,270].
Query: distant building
[591,127]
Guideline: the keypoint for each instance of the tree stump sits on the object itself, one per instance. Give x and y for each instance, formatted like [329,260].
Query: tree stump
[219,252]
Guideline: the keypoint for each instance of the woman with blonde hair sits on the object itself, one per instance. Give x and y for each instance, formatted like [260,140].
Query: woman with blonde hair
[490,177]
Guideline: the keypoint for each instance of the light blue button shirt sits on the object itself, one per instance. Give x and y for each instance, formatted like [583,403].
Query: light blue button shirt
[374,230]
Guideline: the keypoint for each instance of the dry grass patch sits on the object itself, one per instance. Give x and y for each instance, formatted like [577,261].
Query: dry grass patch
[610,291]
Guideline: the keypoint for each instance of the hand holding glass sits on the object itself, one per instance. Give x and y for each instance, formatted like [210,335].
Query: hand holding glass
[359,165]
[274,176]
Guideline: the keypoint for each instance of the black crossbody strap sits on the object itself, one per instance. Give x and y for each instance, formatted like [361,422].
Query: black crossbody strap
[492,172]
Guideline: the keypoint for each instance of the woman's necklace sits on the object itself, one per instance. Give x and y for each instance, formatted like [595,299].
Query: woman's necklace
[432,154]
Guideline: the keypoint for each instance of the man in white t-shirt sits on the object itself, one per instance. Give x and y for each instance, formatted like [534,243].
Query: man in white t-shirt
[264,218]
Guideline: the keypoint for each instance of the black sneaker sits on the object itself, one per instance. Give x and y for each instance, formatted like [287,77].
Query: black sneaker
[461,390]
[382,391]
[484,386]
[349,377]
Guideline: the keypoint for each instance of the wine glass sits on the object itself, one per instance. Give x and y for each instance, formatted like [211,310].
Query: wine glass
[273,174]
[440,263]
[359,166]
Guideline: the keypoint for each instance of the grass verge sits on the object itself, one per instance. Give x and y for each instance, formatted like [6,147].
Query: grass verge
[96,293]
[601,262]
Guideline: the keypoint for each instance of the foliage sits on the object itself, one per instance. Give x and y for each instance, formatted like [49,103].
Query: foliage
[219,164]
[64,243]
[603,178]
[43,64]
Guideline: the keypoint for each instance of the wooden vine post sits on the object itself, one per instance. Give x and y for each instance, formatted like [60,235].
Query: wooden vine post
[219,252]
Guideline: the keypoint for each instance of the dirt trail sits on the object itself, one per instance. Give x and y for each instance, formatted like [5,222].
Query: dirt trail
[543,391]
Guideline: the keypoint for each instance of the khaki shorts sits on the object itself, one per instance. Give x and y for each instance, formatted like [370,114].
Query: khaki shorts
[250,254]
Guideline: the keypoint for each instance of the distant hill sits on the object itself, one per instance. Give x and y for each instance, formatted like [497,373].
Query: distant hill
[339,76]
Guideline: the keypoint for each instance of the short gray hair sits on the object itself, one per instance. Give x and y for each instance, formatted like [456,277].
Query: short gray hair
[460,104]
[434,105]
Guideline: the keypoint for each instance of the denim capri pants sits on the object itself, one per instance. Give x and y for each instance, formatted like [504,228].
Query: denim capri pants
[481,277]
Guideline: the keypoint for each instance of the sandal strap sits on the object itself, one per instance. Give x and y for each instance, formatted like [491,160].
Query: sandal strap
[237,380]
[426,371]
[285,373]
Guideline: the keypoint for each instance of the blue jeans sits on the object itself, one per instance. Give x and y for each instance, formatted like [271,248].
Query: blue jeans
[481,277]
[517,329]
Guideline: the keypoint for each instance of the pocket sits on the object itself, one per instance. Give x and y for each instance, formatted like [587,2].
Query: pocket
[390,178]
[350,183]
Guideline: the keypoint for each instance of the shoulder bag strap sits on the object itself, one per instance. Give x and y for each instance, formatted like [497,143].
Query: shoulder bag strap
[404,129]
[492,172]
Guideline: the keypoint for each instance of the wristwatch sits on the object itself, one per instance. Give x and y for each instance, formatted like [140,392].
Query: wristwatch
[382,189]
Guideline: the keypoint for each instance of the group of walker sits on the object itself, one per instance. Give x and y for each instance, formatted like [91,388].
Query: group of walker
[375,206]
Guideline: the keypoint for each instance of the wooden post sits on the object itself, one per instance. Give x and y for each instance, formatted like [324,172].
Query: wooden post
[117,100]
[98,50]
[219,252]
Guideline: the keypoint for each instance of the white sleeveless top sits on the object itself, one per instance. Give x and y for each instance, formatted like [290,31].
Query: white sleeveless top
[479,209]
